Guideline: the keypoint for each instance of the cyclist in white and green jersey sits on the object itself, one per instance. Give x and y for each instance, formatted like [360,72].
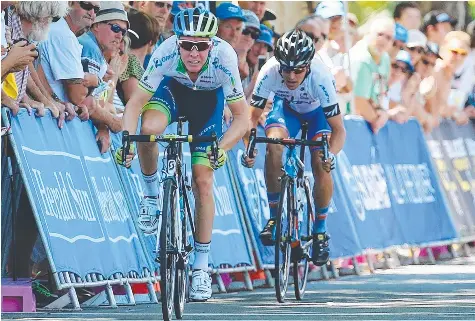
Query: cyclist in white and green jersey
[192,74]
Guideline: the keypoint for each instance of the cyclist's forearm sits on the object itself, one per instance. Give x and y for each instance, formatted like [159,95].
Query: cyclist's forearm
[338,136]
[236,132]
[254,116]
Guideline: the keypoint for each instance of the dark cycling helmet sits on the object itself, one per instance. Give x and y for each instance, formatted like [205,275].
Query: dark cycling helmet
[195,22]
[294,49]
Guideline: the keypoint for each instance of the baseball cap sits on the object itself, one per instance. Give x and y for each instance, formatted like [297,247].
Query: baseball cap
[252,21]
[269,15]
[415,38]
[434,17]
[227,10]
[405,57]
[266,37]
[400,33]
[433,48]
[111,10]
[328,9]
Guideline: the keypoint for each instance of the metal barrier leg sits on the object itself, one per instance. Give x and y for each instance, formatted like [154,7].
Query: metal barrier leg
[369,259]
[356,266]
[466,250]
[415,256]
[151,292]
[221,286]
[248,281]
[110,296]
[269,279]
[453,250]
[430,255]
[334,270]
[130,293]
[324,272]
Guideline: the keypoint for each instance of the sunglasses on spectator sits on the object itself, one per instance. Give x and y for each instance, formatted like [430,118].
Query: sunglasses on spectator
[403,69]
[313,37]
[459,51]
[388,37]
[160,4]
[116,29]
[192,45]
[89,6]
[324,36]
[419,50]
[297,70]
[427,62]
[250,31]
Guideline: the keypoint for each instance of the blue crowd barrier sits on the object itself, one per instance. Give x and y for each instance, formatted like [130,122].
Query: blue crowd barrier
[76,198]
[453,149]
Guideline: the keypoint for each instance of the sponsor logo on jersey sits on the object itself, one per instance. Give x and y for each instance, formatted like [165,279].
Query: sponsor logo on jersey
[219,66]
[260,83]
[325,92]
[158,62]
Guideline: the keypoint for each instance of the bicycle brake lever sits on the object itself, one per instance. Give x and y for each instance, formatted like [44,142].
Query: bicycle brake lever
[214,149]
[125,145]
[326,154]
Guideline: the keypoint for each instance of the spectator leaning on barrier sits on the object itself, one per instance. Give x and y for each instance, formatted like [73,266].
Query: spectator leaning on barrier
[231,22]
[408,14]
[261,47]
[370,72]
[106,34]
[453,51]
[400,40]
[29,21]
[160,10]
[249,35]
[61,69]
[436,24]
[416,45]
[399,94]
[470,72]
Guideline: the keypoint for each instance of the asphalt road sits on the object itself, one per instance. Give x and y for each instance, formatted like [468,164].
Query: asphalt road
[445,291]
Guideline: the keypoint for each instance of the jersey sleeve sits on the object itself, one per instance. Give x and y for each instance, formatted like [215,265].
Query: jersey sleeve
[160,62]
[263,87]
[226,65]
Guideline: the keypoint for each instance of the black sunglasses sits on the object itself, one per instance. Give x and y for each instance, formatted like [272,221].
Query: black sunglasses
[313,37]
[296,70]
[419,50]
[198,45]
[427,62]
[160,4]
[324,36]
[89,6]
[403,69]
[250,31]
[116,29]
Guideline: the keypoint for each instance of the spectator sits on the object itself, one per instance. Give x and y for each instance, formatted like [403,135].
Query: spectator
[259,8]
[453,51]
[106,35]
[262,46]
[249,35]
[31,20]
[470,104]
[400,100]
[370,72]
[231,23]
[416,45]
[160,10]
[400,40]
[334,12]
[408,14]
[144,31]
[61,68]
[436,25]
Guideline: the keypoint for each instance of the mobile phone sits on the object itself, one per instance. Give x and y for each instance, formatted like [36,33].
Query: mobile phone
[261,61]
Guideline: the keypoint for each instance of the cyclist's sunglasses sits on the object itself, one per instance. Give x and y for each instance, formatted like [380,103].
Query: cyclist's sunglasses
[89,6]
[297,70]
[191,45]
[160,4]
[253,32]
[116,29]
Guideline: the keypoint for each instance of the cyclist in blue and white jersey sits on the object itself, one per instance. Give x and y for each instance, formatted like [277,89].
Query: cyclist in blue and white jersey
[304,91]
[192,74]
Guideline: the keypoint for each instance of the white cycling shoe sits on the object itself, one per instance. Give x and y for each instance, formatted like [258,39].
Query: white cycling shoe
[148,215]
[200,289]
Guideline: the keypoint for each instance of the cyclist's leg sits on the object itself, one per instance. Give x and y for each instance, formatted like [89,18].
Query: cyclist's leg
[156,115]
[323,187]
[279,124]
[203,121]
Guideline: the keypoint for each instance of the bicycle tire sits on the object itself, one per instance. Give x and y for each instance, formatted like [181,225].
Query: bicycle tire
[182,273]
[300,269]
[168,259]
[282,273]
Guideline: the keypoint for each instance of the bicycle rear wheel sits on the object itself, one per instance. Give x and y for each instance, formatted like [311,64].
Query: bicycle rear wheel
[283,240]
[300,268]
[168,246]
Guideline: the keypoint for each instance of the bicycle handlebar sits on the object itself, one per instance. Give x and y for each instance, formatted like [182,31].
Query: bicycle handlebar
[253,140]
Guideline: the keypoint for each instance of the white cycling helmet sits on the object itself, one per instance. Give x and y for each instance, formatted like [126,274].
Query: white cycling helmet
[195,22]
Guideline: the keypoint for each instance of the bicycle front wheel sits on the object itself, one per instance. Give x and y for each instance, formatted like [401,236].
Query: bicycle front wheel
[300,267]
[168,246]
[283,239]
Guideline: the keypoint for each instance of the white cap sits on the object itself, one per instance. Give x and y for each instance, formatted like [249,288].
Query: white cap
[416,38]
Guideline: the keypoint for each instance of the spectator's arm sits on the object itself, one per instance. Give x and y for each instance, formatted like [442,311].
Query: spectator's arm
[18,58]
[365,109]
[75,90]
[128,87]
[362,78]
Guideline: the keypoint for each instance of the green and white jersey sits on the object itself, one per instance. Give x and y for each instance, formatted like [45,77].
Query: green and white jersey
[220,70]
